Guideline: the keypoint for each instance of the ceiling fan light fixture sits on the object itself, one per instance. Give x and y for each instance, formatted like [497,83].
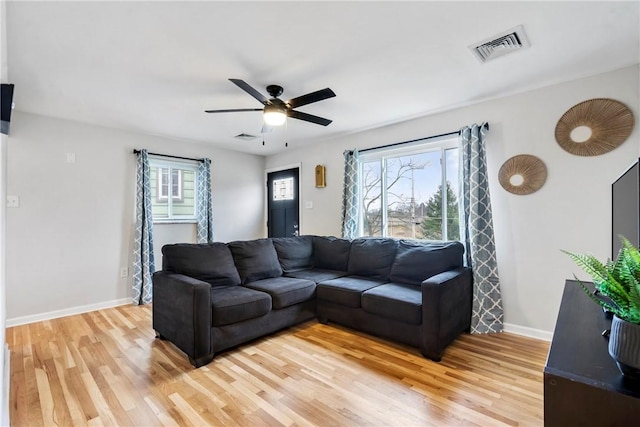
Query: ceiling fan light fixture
[274,115]
[275,110]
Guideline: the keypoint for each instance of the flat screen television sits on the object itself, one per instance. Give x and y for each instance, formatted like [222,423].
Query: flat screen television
[625,208]
[6,104]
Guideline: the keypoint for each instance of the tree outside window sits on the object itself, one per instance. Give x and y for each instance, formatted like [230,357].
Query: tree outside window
[402,195]
[431,226]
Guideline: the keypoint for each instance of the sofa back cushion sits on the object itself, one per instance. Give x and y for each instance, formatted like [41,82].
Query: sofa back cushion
[331,253]
[417,261]
[255,259]
[372,257]
[209,262]
[294,253]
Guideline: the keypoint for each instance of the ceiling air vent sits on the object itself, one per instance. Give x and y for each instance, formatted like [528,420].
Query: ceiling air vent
[245,136]
[509,41]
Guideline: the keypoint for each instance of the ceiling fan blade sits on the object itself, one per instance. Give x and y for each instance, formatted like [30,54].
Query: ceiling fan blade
[250,90]
[309,98]
[308,118]
[233,110]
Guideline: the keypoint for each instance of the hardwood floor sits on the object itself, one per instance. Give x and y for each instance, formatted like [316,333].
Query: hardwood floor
[106,368]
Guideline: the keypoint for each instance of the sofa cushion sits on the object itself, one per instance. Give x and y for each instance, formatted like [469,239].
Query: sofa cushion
[345,290]
[316,274]
[397,301]
[331,253]
[417,261]
[211,263]
[372,257]
[255,259]
[285,291]
[234,304]
[294,253]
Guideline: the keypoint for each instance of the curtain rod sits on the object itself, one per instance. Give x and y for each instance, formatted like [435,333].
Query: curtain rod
[416,140]
[169,156]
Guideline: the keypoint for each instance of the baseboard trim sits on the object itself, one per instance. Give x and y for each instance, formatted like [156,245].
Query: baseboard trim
[528,332]
[23,320]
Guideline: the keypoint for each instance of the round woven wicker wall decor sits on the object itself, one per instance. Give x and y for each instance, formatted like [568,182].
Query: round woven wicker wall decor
[522,174]
[611,122]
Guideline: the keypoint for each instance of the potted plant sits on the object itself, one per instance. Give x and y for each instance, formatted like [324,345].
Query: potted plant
[617,289]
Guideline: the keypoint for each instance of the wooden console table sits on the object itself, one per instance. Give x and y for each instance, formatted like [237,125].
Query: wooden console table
[582,384]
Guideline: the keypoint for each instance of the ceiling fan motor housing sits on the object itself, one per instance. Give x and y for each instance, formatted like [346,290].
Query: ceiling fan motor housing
[274,90]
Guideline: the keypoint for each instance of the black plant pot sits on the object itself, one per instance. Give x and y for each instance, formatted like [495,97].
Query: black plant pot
[624,347]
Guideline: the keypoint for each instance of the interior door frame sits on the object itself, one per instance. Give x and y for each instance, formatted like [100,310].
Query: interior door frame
[266,194]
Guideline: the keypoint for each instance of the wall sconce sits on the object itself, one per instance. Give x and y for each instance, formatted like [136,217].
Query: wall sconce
[320,177]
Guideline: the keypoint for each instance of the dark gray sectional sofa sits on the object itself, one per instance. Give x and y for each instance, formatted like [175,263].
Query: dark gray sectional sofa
[210,297]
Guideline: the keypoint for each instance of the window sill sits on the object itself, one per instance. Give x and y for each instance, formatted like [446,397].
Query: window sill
[175,221]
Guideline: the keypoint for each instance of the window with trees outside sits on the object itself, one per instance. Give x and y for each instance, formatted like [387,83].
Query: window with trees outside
[411,192]
[173,190]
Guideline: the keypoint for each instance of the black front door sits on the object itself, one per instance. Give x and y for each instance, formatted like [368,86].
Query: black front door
[282,203]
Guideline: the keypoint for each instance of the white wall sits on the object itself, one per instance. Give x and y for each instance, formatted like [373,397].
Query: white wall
[171,233]
[73,231]
[572,211]
[59,260]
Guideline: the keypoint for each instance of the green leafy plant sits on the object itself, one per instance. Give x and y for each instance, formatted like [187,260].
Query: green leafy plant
[617,280]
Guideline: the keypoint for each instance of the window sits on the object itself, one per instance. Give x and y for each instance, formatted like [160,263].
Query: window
[173,186]
[164,183]
[283,189]
[402,192]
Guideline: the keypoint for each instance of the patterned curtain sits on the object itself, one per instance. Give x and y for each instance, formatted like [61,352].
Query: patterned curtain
[350,195]
[477,231]
[143,263]
[205,211]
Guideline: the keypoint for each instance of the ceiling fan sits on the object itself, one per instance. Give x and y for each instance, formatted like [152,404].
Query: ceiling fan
[276,110]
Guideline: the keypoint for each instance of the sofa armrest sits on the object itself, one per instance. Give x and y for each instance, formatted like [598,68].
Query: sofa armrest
[182,314]
[446,309]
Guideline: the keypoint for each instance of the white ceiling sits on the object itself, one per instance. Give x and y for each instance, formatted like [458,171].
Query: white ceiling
[154,67]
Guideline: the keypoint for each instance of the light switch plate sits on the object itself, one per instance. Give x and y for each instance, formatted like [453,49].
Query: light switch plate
[308,205]
[13,201]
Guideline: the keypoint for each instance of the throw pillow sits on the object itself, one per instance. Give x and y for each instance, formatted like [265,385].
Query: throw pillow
[417,261]
[331,253]
[294,253]
[255,259]
[211,263]
[372,257]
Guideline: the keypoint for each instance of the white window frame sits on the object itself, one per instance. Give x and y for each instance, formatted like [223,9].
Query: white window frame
[159,178]
[440,144]
[163,163]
